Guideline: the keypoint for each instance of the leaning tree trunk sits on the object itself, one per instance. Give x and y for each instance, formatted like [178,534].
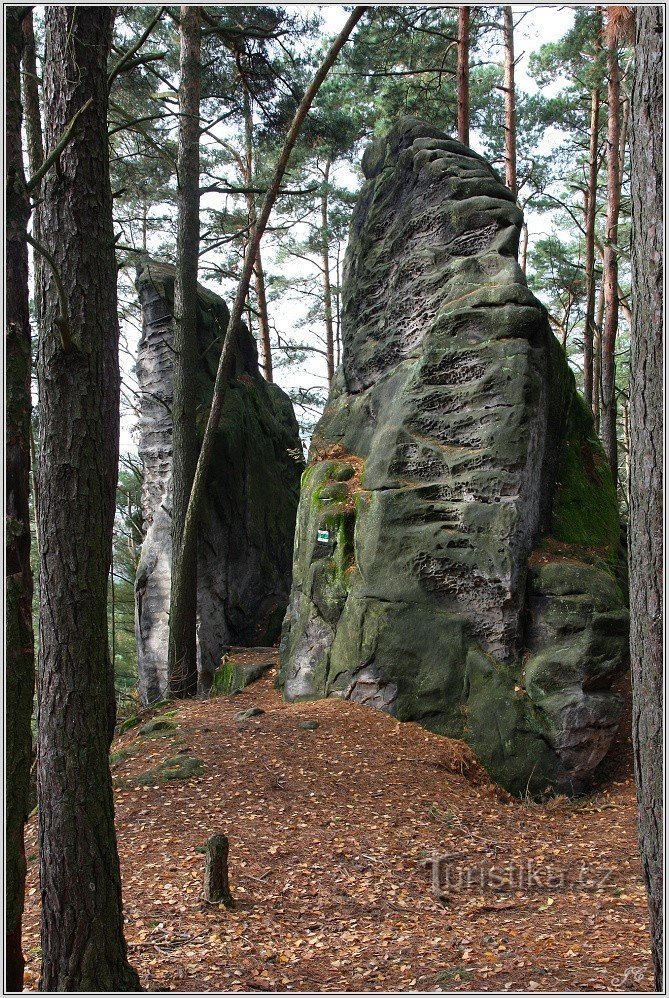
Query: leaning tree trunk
[20,667]
[227,353]
[83,948]
[183,596]
[325,266]
[610,275]
[509,104]
[646,435]
[463,74]
[590,232]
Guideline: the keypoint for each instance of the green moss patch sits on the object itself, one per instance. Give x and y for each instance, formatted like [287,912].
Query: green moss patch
[158,726]
[178,767]
[585,509]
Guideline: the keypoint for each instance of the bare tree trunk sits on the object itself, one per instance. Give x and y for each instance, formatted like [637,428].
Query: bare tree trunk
[590,218]
[522,253]
[258,271]
[463,74]
[509,103]
[35,140]
[263,320]
[610,275]
[183,595]
[20,665]
[337,299]
[325,263]
[597,360]
[625,480]
[227,354]
[646,438]
[83,948]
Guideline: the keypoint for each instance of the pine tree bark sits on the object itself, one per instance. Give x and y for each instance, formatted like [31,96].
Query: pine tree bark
[83,948]
[325,267]
[597,360]
[463,74]
[183,595]
[509,103]
[646,438]
[258,272]
[20,666]
[590,219]
[610,266]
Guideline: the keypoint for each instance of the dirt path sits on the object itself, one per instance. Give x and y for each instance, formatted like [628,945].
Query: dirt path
[330,832]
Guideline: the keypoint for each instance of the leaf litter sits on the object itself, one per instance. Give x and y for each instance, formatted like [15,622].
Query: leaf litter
[333,835]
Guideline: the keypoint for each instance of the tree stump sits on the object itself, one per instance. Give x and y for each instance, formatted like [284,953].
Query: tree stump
[216,886]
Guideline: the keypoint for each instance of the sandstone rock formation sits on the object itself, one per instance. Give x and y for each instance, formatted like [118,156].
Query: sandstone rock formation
[246,538]
[458,533]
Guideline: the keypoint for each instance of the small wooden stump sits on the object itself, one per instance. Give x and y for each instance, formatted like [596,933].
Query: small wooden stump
[216,886]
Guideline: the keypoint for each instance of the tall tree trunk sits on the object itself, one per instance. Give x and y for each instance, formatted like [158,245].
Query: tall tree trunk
[590,219]
[646,436]
[610,275]
[227,354]
[325,265]
[509,103]
[20,666]
[597,360]
[182,652]
[463,74]
[258,271]
[35,140]
[83,948]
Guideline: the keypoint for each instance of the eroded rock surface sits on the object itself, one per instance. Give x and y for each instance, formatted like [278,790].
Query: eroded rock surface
[246,537]
[457,532]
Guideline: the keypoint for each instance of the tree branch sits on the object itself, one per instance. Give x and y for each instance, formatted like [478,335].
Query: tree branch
[227,354]
[61,320]
[121,64]
[37,177]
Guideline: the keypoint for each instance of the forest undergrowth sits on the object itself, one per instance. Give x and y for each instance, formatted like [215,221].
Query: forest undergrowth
[334,830]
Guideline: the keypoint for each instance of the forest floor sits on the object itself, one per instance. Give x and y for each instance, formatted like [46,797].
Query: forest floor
[332,834]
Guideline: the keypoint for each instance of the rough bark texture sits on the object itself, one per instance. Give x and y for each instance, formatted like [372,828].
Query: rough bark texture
[610,273]
[245,541]
[82,924]
[182,649]
[463,74]
[646,433]
[457,533]
[509,103]
[216,886]
[20,671]
[590,220]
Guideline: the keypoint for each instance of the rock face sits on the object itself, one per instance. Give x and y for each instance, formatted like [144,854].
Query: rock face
[458,534]
[246,538]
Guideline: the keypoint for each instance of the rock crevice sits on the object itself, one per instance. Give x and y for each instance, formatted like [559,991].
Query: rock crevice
[246,535]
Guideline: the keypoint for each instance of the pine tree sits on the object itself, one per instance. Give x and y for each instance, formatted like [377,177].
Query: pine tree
[83,948]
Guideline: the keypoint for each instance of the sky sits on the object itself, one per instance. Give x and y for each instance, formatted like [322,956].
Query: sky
[535,25]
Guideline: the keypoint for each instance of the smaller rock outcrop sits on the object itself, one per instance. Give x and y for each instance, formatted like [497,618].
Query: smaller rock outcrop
[246,535]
